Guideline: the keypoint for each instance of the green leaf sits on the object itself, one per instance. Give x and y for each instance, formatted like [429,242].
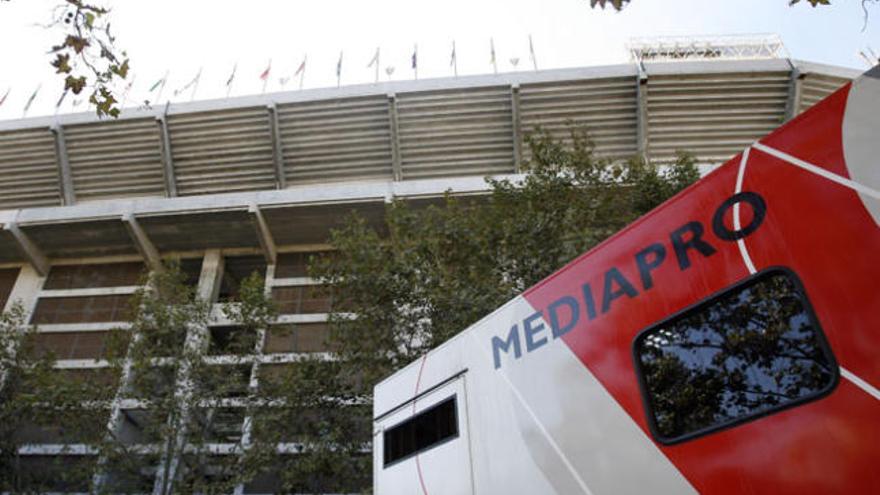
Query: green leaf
[75,84]
[62,63]
[77,43]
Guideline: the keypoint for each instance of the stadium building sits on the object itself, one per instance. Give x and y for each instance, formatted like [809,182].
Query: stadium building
[257,182]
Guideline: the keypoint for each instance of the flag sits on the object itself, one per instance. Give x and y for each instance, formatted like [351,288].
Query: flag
[283,80]
[302,67]
[415,57]
[492,51]
[375,59]
[3,100]
[160,82]
[532,53]
[61,100]
[32,98]
[265,75]
[452,57]
[232,76]
[76,102]
[339,65]
[190,84]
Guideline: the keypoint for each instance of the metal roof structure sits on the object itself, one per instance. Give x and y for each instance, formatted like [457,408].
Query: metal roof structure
[278,169]
[738,47]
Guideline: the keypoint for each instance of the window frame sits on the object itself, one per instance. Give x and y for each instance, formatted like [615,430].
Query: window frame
[822,342]
[454,398]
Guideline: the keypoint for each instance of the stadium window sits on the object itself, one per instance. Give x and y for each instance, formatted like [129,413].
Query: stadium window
[422,432]
[82,309]
[7,280]
[94,276]
[235,270]
[749,351]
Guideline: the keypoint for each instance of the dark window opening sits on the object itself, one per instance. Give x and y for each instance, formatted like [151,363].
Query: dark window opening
[82,309]
[751,350]
[231,340]
[91,276]
[422,432]
[300,337]
[304,299]
[235,271]
[7,281]
[290,265]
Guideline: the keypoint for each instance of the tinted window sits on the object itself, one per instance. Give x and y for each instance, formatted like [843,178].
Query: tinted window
[421,432]
[748,351]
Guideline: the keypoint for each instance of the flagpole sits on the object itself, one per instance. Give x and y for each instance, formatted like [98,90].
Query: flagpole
[494,62]
[196,85]
[127,90]
[339,70]
[532,53]
[377,64]
[231,78]
[31,100]
[60,101]
[454,60]
[162,87]
[268,74]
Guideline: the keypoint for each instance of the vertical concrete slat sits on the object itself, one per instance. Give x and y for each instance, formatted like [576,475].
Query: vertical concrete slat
[65,176]
[277,149]
[642,131]
[795,84]
[167,156]
[396,166]
[517,130]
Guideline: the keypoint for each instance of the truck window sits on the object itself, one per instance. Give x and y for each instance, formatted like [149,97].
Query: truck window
[748,351]
[421,432]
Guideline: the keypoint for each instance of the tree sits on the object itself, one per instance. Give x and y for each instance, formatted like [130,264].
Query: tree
[39,402]
[186,403]
[429,273]
[86,56]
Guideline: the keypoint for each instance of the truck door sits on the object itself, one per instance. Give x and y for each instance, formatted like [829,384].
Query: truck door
[420,444]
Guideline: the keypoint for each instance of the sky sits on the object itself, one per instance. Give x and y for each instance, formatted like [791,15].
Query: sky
[182,37]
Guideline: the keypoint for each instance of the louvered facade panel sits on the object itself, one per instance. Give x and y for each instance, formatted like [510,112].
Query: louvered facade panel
[816,87]
[713,116]
[341,139]
[605,108]
[115,159]
[455,132]
[28,169]
[222,151]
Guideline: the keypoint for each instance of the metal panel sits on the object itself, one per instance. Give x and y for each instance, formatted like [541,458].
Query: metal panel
[115,159]
[713,116]
[337,139]
[455,132]
[605,108]
[224,151]
[28,172]
[815,87]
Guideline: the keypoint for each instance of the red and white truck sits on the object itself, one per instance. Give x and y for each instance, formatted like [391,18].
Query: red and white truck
[727,342]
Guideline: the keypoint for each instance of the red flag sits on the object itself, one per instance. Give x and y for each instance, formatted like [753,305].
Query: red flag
[265,75]
[3,100]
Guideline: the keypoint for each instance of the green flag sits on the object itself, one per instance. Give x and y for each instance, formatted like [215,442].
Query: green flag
[160,82]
